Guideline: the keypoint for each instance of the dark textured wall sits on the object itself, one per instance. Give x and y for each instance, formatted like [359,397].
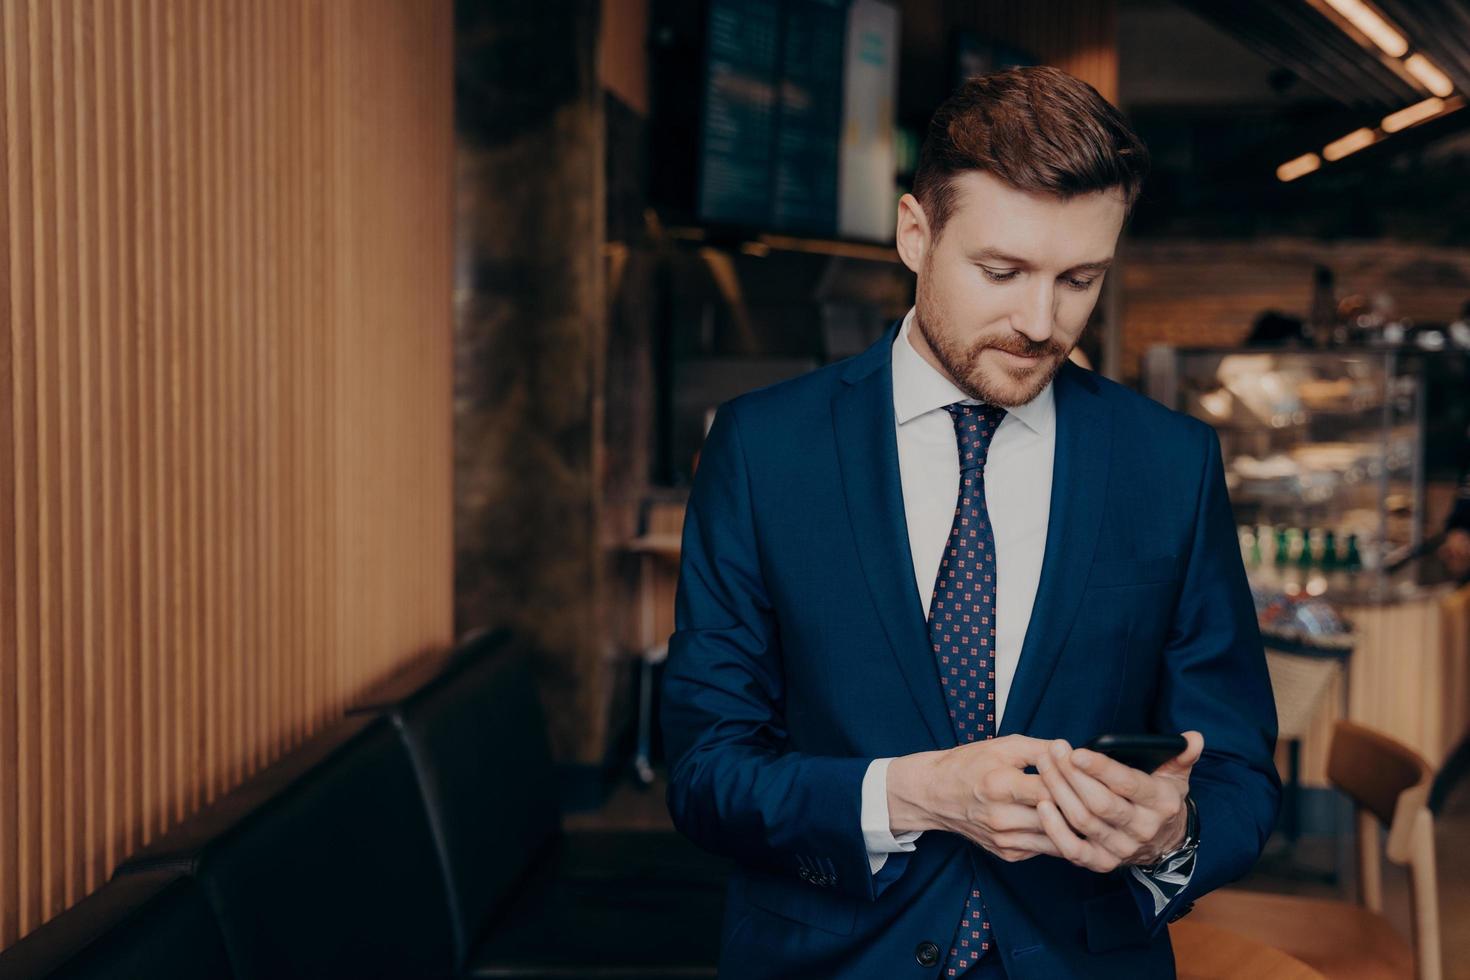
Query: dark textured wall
[530,347]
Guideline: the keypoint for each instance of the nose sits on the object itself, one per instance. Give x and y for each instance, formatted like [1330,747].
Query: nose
[1037,319]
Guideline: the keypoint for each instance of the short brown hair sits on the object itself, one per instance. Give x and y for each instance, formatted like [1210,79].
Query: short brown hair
[1036,129]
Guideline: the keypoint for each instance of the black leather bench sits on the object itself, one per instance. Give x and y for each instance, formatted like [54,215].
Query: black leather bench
[529,900]
[155,924]
[324,867]
[419,837]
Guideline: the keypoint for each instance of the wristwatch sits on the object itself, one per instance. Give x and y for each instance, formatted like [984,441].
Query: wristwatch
[1189,845]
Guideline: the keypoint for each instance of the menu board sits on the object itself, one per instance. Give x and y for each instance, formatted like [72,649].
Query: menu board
[737,138]
[809,117]
[772,114]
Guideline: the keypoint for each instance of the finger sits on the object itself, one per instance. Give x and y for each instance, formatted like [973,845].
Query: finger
[1181,764]
[1006,818]
[1083,821]
[1069,846]
[1024,788]
[1022,750]
[1127,782]
[1101,801]
[1018,847]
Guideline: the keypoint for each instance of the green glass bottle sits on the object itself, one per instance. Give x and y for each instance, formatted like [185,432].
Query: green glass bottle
[1304,556]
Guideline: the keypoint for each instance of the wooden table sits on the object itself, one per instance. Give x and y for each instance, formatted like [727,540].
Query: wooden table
[1206,952]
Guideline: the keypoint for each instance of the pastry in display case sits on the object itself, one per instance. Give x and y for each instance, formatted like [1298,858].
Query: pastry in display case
[1323,454]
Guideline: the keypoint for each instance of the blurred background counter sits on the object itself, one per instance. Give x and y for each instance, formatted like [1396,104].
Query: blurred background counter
[1342,464]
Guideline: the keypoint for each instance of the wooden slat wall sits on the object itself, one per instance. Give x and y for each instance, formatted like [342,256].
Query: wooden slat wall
[1078,36]
[225,297]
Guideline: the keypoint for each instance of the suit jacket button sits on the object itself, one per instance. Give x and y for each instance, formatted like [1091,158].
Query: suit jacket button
[926,953]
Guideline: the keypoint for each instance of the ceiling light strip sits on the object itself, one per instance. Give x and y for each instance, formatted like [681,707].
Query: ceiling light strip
[1373,26]
[1358,139]
[1429,75]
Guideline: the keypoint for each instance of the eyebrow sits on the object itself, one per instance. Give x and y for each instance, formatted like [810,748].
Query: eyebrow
[999,256]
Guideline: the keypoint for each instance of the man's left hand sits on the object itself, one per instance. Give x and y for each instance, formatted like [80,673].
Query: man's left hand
[1106,814]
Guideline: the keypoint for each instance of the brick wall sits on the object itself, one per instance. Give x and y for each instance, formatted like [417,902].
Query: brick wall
[1203,293]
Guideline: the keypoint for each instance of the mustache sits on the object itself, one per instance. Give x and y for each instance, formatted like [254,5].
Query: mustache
[1023,346]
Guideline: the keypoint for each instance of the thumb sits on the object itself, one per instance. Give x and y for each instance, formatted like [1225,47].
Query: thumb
[1181,764]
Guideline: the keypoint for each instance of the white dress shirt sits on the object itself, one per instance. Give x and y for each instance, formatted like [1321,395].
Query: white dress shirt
[1018,474]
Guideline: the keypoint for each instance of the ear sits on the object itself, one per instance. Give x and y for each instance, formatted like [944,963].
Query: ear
[912,235]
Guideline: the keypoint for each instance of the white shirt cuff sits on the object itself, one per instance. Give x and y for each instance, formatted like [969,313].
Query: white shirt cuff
[877,832]
[1168,880]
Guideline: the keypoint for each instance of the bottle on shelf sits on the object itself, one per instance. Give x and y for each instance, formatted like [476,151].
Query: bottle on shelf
[1246,535]
[1305,556]
[1263,543]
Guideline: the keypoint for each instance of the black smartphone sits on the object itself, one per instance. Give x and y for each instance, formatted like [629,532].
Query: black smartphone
[1146,752]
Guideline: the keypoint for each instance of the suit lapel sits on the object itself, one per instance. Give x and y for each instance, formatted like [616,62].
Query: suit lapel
[867,449]
[1078,491]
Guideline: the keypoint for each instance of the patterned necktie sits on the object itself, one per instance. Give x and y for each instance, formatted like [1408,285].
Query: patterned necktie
[962,632]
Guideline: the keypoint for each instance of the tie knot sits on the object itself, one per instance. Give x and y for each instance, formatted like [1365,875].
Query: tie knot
[974,425]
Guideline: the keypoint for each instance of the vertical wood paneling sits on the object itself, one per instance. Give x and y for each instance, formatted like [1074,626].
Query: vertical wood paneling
[224,400]
[1077,36]
[8,543]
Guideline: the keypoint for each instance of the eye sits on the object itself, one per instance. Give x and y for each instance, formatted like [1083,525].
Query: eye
[1079,284]
[1000,276]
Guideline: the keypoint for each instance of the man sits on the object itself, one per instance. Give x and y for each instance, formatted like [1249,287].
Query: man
[915,581]
[1454,550]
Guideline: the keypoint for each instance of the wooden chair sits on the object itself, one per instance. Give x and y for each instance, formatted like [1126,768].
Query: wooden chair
[1389,783]
[658,548]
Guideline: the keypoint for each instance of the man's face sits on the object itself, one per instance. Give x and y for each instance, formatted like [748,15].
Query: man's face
[1004,293]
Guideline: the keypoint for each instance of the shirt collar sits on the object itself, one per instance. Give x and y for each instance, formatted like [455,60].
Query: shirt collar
[919,388]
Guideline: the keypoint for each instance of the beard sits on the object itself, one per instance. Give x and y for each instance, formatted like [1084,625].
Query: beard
[999,385]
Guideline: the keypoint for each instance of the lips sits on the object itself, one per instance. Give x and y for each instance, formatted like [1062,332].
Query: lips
[1022,358]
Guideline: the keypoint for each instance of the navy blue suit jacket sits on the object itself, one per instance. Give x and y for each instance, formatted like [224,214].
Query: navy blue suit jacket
[801,653]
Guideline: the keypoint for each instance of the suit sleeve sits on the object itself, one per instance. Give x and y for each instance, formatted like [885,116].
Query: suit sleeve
[735,786]
[1215,682]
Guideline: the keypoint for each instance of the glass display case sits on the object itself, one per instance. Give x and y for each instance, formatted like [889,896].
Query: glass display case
[1323,453]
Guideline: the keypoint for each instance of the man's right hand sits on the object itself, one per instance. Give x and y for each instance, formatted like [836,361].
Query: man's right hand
[979,791]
